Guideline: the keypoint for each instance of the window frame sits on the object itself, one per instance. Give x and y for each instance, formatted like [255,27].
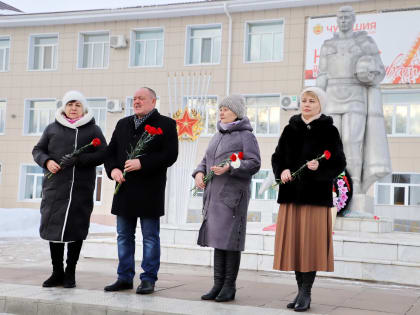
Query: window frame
[22,180]
[106,110]
[391,192]
[9,37]
[31,51]
[408,120]
[131,57]
[267,135]
[205,132]
[254,182]
[80,46]
[102,176]
[190,27]
[5,113]
[246,40]
[26,115]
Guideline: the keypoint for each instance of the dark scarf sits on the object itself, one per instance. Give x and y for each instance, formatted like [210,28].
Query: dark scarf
[139,121]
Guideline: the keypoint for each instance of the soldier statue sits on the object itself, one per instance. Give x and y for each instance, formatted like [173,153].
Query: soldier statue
[350,70]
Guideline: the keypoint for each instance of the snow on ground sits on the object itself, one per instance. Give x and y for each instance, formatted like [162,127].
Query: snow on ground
[23,222]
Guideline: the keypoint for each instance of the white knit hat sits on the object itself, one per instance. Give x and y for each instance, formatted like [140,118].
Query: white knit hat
[320,93]
[236,103]
[75,96]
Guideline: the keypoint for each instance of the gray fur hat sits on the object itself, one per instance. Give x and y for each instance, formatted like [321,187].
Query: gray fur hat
[236,103]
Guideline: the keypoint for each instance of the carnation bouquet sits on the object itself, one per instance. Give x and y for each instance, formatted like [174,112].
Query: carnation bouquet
[235,162]
[94,143]
[147,136]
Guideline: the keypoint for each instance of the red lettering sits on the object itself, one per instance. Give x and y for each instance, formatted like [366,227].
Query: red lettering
[329,28]
[316,56]
[373,25]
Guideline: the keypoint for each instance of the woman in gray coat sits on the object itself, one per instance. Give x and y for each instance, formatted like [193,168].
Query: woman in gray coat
[227,194]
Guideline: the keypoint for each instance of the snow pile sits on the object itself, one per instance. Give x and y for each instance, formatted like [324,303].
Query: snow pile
[22,222]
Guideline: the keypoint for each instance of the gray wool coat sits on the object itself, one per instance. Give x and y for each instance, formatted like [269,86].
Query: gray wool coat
[226,197]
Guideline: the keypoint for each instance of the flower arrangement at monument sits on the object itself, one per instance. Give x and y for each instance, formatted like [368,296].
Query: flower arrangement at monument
[342,192]
[94,143]
[147,136]
[235,162]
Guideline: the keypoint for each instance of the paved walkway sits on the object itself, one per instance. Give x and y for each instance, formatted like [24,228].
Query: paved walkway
[24,264]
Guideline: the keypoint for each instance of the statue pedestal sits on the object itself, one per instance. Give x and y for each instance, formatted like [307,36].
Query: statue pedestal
[361,206]
[371,225]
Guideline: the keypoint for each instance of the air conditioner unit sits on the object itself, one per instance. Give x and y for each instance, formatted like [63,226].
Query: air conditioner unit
[289,102]
[113,106]
[118,41]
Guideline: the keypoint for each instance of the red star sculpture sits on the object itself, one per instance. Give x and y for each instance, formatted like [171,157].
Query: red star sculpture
[185,124]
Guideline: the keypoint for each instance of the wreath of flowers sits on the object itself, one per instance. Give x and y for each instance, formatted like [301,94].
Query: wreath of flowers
[342,192]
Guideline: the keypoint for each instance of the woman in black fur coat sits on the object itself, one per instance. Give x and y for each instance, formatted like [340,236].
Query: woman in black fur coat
[303,241]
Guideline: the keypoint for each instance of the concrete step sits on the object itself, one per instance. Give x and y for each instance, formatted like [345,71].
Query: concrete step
[386,257]
[27,299]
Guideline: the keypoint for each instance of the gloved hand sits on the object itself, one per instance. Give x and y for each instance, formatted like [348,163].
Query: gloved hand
[68,160]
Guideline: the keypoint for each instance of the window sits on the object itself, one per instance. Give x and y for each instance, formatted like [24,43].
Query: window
[264,41]
[93,50]
[203,44]
[43,52]
[97,195]
[147,48]
[30,187]
[210,116]
[401,189]
[129,106]
[2,116]
[256,183]
[402,113]
[264,114]
[38,115]
[4,53]
[98,107]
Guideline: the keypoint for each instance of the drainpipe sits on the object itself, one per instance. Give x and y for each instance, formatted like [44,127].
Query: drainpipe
[229,56]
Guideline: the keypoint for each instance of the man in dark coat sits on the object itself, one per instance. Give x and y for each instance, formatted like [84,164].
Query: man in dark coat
[142,191]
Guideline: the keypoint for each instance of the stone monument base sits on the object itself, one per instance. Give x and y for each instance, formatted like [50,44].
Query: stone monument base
[361,205]
[374,256]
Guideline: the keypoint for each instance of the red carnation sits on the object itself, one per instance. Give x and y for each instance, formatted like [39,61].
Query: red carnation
[327,154]
[96,142]
[241,155]
[147,128]
[159,131]
[233,157]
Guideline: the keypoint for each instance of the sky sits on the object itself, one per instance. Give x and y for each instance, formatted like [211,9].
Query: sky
[36,6]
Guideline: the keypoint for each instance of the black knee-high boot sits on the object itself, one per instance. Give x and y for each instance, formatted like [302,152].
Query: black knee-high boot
[73,252]
[219,274]
[304,300]
[233,260]
[57,255]
[298,276]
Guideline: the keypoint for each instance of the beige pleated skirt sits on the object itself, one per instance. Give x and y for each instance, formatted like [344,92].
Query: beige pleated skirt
[303,239]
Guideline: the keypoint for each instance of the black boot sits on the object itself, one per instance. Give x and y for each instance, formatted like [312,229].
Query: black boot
[304,300]
[233,260]
[298,276]
[57,276]
[219,274]
[73,252]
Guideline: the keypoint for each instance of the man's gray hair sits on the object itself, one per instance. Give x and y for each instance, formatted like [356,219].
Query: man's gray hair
[151,91]
[346,8]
